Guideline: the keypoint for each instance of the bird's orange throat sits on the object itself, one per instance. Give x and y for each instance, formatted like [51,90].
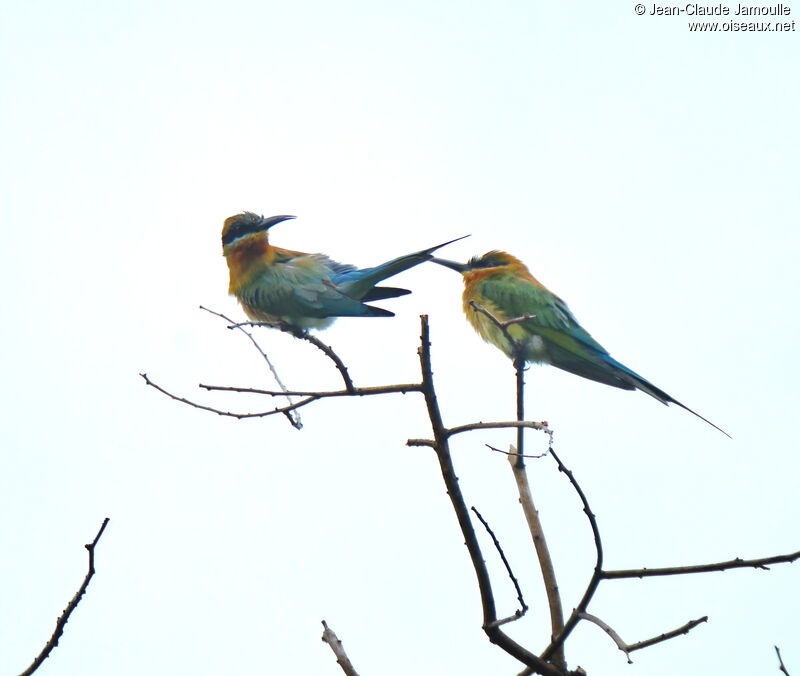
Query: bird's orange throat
[245,258]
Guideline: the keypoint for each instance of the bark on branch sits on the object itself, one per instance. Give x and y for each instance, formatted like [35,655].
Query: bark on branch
[64,618]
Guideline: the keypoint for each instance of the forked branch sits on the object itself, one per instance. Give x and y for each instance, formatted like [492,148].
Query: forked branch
[302,335]
[517,460]
[560,637]
[551,662]
[64,618]
[292,416]
[628,648]
[309,396]
[442,448]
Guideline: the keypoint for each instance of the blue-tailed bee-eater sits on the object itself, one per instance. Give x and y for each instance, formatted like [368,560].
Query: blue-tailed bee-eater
[549,333]
[304,291]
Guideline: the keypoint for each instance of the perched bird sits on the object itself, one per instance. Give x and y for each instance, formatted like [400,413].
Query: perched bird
[302,290]
[503,286]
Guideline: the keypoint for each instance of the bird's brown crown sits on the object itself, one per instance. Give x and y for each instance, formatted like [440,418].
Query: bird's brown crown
[493,259]
[247,223]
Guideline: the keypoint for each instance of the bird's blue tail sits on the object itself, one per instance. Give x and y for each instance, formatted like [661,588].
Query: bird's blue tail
[636,381]
[360,284]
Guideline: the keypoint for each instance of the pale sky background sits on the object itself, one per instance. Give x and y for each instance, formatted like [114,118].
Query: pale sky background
[647,174]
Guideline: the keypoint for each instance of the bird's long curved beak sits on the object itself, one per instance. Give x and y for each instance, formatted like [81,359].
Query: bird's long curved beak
[267,223]
[453,265]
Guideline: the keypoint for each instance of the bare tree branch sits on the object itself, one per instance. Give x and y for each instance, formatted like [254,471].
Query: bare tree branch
[703,568]
[542,426]
[513,451]
[685,629]
[64,618]
[628,648]
[356,392]
[559,638]
[606,628]
[329,637]
[523,607]
[495,633]
[309,396]
[517,461]
[430,443]
[552,661]
[543,554]
[305,335]
[230,414]
[780,659]
[292,416]
[503,325]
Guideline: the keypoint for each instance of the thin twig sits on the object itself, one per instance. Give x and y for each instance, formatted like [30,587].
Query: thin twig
[309,396]
[703,568]
[780,659]
[613,634]
[305,335]
[504,324]
[328,350]
[329,637]
[591,588]
[430,443]
[62,621]
[523,607]
[514,452]
[628,648]
[229,414]
[292,416]
[356,392]
[542,426]
[685,629]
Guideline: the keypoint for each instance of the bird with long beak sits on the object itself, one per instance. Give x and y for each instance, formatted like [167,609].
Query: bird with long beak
[304,291]
[502,285]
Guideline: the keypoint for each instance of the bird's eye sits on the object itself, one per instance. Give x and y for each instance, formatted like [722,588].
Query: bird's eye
[234,233]
[245,224]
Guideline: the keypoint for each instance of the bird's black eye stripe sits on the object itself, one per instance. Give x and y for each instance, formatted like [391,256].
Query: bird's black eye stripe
[487,261]
[249,223]
[241,229]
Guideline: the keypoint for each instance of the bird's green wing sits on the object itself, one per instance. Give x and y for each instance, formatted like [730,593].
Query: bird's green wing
[551,316]
[326,300]
[296,287]
[566,344]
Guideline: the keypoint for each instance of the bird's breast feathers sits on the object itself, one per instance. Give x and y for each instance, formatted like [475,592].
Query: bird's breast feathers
[282,285]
